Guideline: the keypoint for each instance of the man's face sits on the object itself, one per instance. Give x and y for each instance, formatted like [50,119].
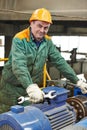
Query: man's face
[39,29]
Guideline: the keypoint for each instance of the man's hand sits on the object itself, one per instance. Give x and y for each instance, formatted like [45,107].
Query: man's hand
[83,86]
[34,93]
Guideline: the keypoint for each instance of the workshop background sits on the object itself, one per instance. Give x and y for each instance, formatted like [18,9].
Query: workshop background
[69,34]
[69,22]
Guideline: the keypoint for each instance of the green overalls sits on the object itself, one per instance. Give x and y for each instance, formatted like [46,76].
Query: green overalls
[25,66]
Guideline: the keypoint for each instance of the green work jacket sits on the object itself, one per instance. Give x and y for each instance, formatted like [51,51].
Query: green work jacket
[26,61]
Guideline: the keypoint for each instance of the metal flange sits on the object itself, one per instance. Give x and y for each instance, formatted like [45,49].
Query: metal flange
[80,105]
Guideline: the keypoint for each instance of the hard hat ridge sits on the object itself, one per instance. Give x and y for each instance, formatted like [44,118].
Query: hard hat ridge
[41,14]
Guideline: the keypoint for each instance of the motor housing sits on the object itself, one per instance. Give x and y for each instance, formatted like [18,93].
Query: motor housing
[52,114]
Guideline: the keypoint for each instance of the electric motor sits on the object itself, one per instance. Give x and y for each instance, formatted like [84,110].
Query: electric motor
[52,114]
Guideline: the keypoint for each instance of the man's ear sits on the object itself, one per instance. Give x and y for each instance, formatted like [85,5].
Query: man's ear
[32,23]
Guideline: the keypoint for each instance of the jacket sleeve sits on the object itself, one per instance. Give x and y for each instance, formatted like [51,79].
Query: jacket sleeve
[19,63]
[59,62]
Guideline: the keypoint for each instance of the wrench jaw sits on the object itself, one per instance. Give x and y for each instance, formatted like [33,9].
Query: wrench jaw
[50,95]
[20,100]
[53,94]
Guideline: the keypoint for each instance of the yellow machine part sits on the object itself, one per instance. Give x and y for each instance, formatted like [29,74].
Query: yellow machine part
[45,76]
[3,59]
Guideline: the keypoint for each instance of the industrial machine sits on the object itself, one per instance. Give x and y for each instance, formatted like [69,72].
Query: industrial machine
[81,125]
[52,114]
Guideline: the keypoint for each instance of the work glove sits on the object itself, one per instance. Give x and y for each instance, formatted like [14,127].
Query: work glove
[34,93]
[82,85]
[81,77]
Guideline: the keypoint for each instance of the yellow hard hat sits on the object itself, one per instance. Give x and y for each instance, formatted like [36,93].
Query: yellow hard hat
[41,14]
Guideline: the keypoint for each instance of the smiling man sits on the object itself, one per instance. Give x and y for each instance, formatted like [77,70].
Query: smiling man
[39,29]
[23,72]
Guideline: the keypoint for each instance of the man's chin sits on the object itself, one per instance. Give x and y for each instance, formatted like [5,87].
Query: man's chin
[39,38]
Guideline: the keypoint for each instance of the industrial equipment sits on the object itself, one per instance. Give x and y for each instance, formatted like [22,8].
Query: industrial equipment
[79,103]
[52,114]
[81,125]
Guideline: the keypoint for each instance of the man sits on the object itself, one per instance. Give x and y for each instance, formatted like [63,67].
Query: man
[23,72]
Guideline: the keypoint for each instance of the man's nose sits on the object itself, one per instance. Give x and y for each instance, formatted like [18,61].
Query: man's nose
[42,29]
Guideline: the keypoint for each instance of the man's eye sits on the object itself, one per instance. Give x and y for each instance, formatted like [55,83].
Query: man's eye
[39,26]
[46,28]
